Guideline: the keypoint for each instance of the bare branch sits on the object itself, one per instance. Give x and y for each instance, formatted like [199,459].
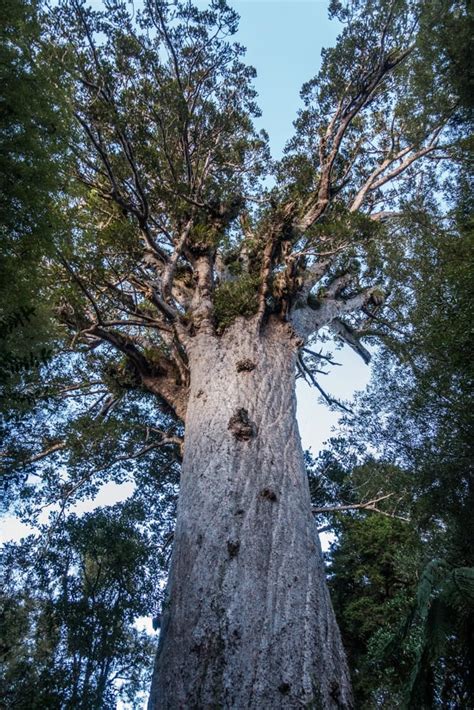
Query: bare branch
[59,446]
[370,505]
[349,336]
[337,130]
[351,506]
[311,379]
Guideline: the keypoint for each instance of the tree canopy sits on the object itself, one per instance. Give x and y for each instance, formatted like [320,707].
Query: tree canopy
[140,206]
[170,229]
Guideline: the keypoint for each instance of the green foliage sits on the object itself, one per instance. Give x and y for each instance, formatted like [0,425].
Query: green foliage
[34,124]
[414,97]
[34,120]
[371,583]
[417,415]
[443,605]
[69,613]
[447,37]
[235,298]
[168,104]
[164,138]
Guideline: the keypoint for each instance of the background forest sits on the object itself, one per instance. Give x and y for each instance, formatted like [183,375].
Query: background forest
[395,487]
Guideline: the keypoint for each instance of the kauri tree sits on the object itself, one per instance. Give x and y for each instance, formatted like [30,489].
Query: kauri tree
[190,295]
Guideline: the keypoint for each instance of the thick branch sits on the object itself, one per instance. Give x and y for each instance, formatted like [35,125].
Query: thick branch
[349,336]
[328,310]
[160,376]
[59,446]
[337,130]
[377,179]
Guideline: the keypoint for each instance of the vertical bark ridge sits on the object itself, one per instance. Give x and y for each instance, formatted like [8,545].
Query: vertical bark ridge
[248,622]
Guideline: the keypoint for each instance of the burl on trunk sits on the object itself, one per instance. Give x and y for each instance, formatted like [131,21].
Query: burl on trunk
[248,621]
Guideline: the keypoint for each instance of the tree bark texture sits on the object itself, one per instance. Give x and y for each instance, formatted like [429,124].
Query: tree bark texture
[248,621]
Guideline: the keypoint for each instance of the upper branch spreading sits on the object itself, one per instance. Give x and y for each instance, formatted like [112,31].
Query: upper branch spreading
[170,237]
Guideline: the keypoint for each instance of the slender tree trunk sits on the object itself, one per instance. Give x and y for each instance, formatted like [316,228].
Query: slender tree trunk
[248,622]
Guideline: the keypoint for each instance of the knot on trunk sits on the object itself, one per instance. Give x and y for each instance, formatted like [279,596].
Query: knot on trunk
[241,426]
[268,494]
[245,365]
[233,547]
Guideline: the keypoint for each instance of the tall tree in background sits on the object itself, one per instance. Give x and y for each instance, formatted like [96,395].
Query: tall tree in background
[68,639]
[189,295]
[34,125]
[403,589]
[417,415]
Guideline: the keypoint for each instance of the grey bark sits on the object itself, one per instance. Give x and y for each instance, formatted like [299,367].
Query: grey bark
[248,622]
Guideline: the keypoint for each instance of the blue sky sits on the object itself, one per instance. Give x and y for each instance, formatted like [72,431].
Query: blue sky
[284,41]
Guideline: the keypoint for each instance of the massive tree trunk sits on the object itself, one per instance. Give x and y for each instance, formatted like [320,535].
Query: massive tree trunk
[248,621]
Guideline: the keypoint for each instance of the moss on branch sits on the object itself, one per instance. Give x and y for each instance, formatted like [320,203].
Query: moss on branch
[235,298]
